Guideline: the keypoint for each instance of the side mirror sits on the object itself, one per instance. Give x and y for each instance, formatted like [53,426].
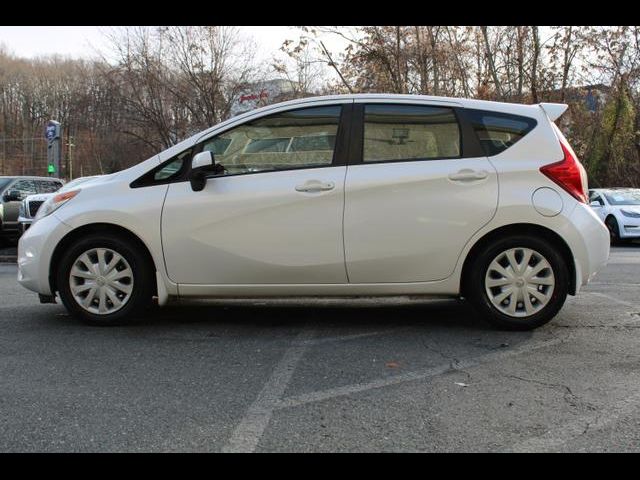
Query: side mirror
[595,204]
[202,164]
[12,196]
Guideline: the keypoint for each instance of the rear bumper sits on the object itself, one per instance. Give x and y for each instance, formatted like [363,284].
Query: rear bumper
[589,242]
[24,224]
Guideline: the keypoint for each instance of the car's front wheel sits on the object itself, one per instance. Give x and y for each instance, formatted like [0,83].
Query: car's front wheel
[104,280]
[614,229]
[518,283]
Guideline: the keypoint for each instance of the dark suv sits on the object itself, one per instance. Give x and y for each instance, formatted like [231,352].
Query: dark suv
[12,191]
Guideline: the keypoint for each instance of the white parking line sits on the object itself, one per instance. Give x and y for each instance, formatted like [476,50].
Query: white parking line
[247,434]
[355,336]
[411,376]
[614,299]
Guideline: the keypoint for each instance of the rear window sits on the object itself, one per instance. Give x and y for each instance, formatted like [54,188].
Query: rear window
[499,131]
[396,132]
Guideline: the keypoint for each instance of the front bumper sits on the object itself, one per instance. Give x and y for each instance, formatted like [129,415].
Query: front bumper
[630,227]
[35,250]
[23,224]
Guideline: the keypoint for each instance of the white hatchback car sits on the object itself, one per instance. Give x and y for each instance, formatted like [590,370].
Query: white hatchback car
[619,209]
[354,195]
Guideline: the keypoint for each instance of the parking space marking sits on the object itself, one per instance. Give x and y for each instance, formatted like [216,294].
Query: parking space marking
[614,299]
[320,395]
[355,336]
[248,433]
[580,426]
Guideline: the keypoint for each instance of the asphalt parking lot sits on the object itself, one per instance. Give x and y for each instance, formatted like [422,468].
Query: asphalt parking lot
[359,376]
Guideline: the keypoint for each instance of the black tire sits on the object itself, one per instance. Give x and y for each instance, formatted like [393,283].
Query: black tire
[143,279]
[7,241]
[475,283]
[614,230]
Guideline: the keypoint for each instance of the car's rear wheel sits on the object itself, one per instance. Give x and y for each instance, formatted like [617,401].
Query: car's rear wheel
[104,280]
[518,283]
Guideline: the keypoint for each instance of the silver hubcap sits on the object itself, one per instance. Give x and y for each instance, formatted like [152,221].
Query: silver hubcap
[519,282]
[101,281]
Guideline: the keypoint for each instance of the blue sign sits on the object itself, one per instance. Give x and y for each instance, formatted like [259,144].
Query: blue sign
[51,131]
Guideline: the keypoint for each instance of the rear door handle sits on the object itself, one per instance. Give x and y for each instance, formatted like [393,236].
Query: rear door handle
[468,175]
[315,186]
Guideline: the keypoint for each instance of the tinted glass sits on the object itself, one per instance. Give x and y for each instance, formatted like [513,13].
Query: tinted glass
[595,197]
[408,132]
[300,138]
[4,182]
[45,186]
[173,167]
[25,187]
[499,131]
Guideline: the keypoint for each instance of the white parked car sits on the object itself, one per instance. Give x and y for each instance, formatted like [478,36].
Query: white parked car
[619,209]
[353,195]
[30,205]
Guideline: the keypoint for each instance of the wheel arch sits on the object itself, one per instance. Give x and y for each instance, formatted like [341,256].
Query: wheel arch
[519,229]
[611,215]
[92,228]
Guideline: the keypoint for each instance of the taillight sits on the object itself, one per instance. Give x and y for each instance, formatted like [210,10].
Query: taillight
[569,174]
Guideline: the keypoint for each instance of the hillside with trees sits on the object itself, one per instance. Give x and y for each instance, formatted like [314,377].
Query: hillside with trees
[163,84]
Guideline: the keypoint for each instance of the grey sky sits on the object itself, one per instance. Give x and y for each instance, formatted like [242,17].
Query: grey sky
[83,41]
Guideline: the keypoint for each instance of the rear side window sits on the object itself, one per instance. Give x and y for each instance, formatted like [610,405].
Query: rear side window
[394,132]
[498,131]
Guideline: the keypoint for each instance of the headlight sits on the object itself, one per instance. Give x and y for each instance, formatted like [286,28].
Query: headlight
[628,213]
[22,208]
[54,203]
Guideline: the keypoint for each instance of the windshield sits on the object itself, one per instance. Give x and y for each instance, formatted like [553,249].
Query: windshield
[624,197]
[4,182]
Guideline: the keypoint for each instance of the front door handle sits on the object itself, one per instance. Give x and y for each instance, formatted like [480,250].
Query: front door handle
[468,175]
[315,186]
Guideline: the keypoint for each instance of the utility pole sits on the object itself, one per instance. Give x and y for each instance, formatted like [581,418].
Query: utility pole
[70,146]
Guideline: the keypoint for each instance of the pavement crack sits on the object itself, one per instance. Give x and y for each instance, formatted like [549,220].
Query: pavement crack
[439,352]
[569,397]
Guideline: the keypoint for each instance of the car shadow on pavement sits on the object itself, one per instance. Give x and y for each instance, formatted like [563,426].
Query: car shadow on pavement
[450,314]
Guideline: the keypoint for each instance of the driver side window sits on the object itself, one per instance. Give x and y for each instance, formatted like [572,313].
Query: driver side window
[301,138]
[596,198]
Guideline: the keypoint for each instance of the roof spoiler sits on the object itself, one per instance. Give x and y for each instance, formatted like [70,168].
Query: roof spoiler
[554,110]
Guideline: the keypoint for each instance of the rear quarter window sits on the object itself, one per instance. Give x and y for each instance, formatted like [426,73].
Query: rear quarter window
[498,131]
